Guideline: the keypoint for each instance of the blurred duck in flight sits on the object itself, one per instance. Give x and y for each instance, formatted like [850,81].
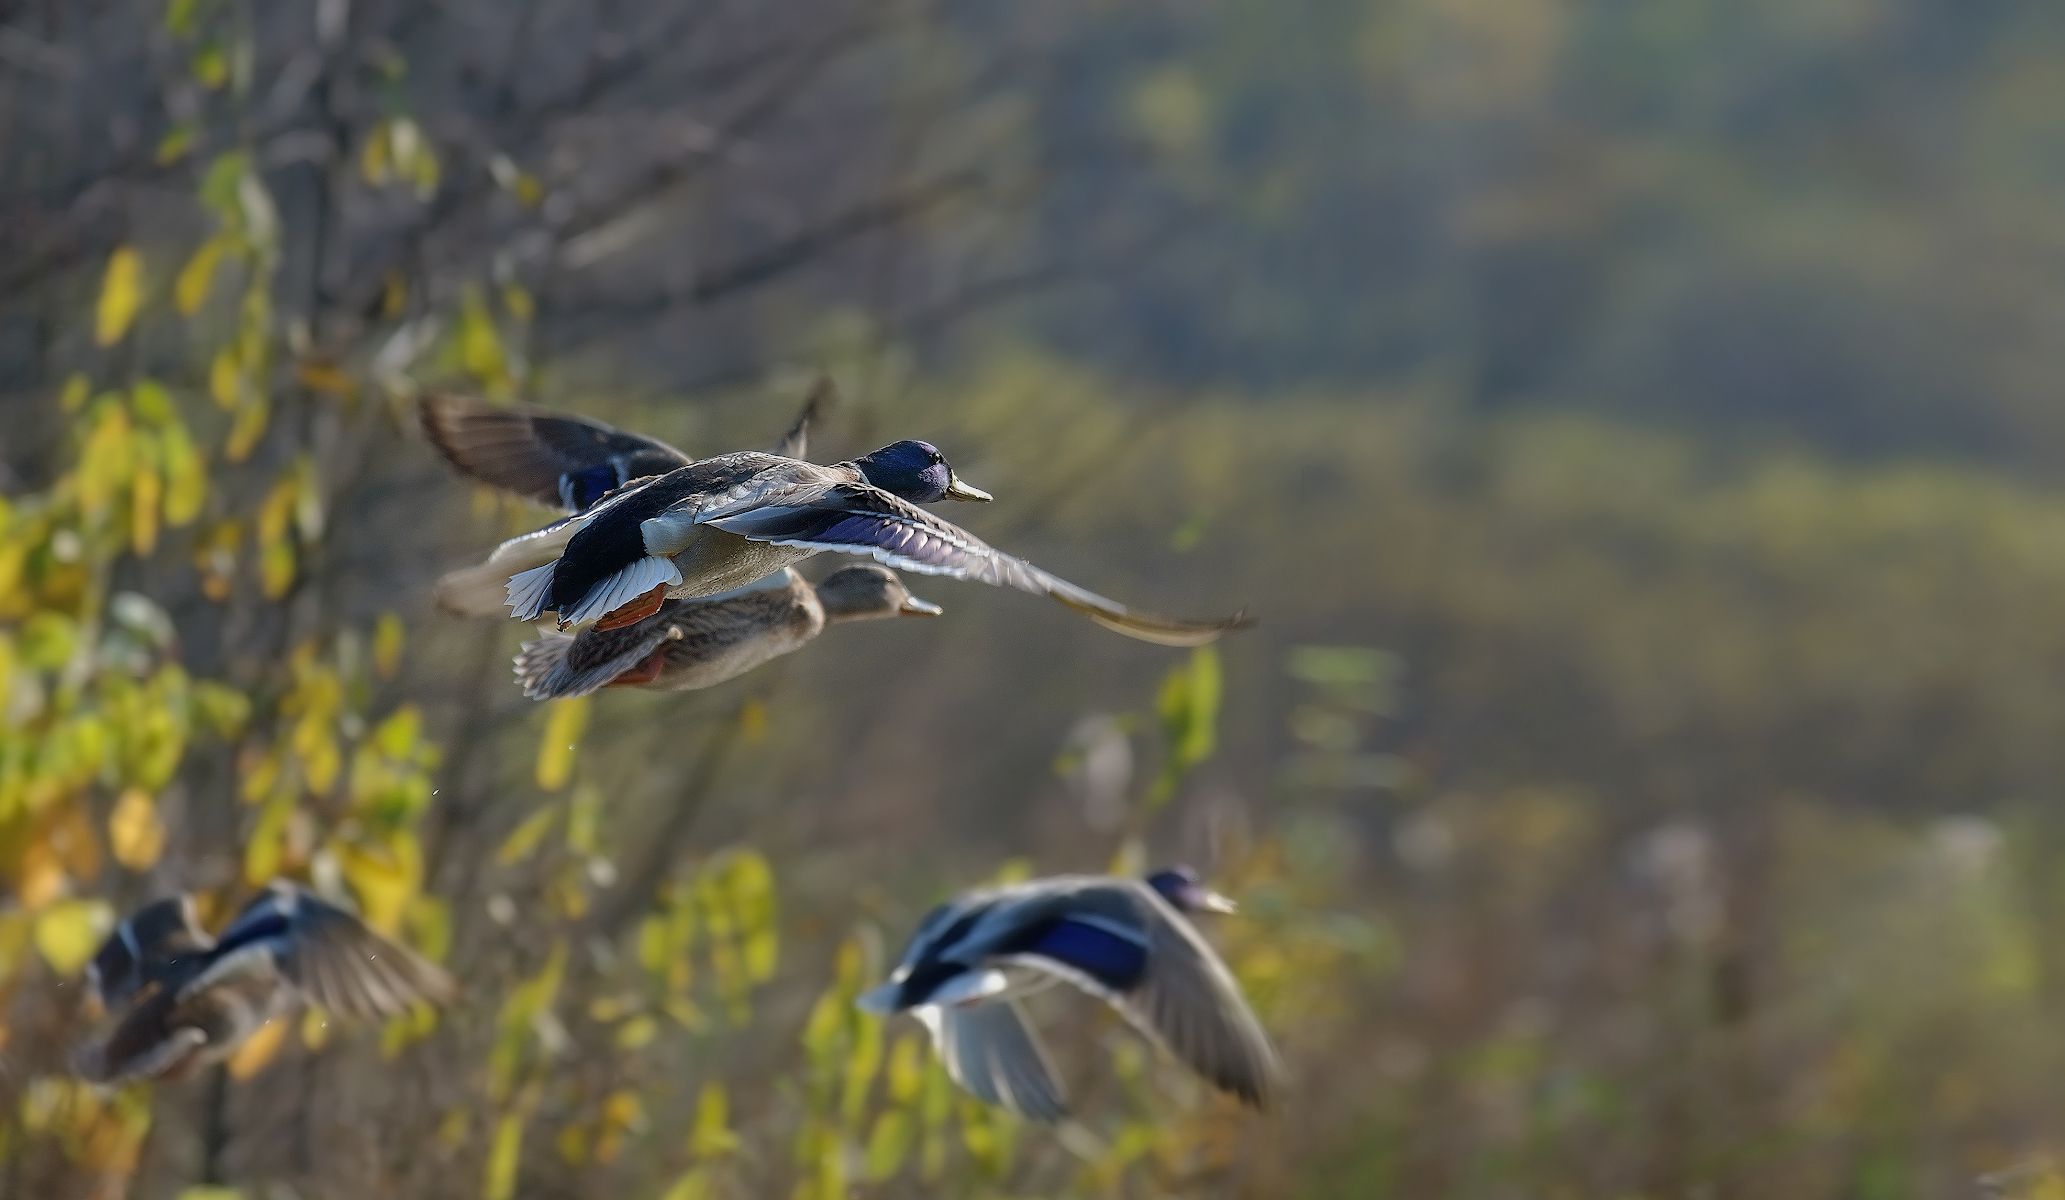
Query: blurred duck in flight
[1129,942]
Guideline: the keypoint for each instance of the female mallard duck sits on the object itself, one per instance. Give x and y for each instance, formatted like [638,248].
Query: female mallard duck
[721,523]
[692,644]
[189,1000]
[1126,941]
[560,460]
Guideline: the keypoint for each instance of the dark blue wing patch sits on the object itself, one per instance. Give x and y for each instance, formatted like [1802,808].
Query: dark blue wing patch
[1111,957]
[579,490]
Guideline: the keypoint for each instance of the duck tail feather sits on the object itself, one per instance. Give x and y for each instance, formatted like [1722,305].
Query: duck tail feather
[621,588]
[529,593]
[547,670]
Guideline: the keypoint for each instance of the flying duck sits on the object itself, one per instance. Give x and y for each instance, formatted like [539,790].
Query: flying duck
[723,522]
[1128,942]
[489,442]
[186,1000]
[691,644]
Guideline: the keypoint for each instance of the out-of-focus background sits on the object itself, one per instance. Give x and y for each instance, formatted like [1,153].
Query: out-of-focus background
[1635,425]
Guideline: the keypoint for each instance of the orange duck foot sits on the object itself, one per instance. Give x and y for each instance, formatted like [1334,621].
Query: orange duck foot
[636,611]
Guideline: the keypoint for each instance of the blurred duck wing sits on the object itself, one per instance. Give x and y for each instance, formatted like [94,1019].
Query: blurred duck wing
[326,954]
[551,458]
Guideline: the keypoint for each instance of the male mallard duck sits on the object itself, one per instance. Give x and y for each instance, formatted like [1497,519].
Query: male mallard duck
[189,1000]
[560,460]
[1126,941]
[692,644]
[910,469]
[721,523]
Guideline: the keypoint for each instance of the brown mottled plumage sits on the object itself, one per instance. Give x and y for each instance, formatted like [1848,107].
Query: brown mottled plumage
[693,644]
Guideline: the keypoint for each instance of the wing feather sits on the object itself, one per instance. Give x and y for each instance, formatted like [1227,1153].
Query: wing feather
[857,519]
[551,458]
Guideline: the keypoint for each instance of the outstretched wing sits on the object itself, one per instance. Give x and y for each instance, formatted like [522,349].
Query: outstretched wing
[554,459]
[863,520]
[326,954]
[796,442]
[990,1050]
[1190,1002]
[1124,944]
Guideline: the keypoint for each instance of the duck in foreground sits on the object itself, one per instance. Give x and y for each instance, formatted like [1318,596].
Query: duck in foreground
[723,522]
[187,1000]
[693,644]
[1128,942]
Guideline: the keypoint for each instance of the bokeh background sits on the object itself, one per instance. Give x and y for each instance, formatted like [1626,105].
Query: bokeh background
[1635,425]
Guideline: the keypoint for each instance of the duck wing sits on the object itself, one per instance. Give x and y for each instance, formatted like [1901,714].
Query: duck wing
[1191,1003]
[854,518]
[1120,941]
[325,953]
[990,1050]
[796,442]
[551,458]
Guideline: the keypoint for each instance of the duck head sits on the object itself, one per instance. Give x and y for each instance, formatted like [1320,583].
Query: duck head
[868,592]
[1182,888]
[916,471]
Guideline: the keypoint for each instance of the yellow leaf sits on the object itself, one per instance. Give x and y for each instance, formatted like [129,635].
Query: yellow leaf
[385,878]
[276,571]
[153,404]
[375,163]
[67,932]
[186,477]
[76,390]
[40,878]
[190,290]
[481,351]
[212,1193]
[636,1032]
[524,840]
[503,1157]
[226,378]
[563,728]
[121,294]
[135,834]
[245,431]
[146,492]
[107,459]
[387,645]
[712,1136]
[262,852]
[315,1028]
[254,1055]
